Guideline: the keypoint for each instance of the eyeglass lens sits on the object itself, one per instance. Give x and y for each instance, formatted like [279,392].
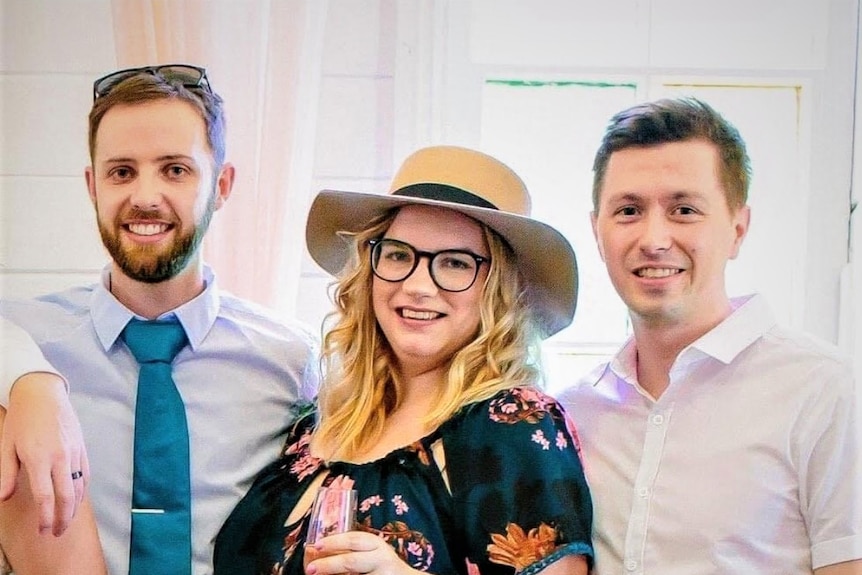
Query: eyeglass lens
[451,270]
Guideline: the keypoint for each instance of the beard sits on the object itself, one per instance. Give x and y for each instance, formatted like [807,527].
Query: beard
[155,264]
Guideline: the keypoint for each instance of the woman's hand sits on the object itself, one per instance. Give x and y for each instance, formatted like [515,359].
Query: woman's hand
[357,552]
[42,434]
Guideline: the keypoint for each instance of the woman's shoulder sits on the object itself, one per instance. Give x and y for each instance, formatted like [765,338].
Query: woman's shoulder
[516,406]
[513,404]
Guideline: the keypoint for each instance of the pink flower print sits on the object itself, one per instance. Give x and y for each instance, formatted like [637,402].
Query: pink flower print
[291,541]
[341,482]
[400,507]
[305,466]
[562,442]
[300,444]
[539,437]
[570,426]
[533,396]
[422,554]
[366,504]
[472,568]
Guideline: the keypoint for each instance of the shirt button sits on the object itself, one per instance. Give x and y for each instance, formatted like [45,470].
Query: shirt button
[631,565]
[658,419]
[643,491]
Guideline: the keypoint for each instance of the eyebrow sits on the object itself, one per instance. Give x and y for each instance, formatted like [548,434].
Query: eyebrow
[674,196]
[165,158]
[459,249]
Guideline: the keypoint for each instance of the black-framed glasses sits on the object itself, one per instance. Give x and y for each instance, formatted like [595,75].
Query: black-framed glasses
[190,76]
[451,270]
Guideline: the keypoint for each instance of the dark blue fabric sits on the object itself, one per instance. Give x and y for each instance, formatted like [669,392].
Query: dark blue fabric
[517,497]
[161,489]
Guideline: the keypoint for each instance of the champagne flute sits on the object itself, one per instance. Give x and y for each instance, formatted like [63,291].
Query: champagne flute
[333,511]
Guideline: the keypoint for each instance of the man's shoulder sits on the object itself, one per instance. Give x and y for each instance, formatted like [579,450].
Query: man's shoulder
[263,321]
[811,361]
[584,386]
[804,346]
[50,311]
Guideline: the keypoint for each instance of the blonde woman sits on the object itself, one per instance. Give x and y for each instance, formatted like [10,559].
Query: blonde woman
[429,405]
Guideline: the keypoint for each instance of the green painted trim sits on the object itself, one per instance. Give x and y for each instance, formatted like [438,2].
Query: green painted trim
[559,83]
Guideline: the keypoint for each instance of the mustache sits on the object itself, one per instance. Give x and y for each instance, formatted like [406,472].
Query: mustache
[147,214]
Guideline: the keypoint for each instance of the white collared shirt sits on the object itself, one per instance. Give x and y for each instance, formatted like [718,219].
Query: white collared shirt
[748,463]
[239,376]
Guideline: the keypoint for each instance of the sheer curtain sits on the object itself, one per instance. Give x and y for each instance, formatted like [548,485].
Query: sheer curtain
[263,58]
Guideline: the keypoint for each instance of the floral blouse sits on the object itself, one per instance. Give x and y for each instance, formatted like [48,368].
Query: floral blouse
[517,498]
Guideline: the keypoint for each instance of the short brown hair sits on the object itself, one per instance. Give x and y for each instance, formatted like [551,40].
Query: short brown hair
[677,120]
[148,87]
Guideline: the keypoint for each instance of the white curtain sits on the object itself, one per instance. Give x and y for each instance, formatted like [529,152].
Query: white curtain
[263,58]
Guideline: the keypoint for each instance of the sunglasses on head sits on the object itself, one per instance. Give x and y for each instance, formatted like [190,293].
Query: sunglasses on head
[189,76]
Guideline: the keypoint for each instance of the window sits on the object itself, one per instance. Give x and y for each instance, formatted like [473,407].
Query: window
[548,130]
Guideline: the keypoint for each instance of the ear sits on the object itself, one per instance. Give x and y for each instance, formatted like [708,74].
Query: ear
[741,219]
[594,222]
[90,176]
[224,184]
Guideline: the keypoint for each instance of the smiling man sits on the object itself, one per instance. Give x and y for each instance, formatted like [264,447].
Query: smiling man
[715,442]
[158,174]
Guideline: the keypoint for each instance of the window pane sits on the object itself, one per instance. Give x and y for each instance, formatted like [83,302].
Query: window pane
[548,132]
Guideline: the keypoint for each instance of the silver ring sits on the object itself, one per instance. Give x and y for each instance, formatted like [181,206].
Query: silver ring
[77,475]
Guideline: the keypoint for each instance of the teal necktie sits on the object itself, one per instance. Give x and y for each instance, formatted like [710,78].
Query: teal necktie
[161,488]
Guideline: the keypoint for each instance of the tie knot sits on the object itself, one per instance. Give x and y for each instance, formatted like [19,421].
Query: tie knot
[151,341]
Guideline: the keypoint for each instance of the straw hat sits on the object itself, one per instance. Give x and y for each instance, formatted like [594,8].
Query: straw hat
[474,184]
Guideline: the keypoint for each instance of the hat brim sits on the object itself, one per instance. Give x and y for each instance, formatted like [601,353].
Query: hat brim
[545,258]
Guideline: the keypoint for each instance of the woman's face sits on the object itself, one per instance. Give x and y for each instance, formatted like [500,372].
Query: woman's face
[424,324]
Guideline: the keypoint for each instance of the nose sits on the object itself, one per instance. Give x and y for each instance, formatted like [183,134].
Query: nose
[656,234]
[146,193]
[420,282]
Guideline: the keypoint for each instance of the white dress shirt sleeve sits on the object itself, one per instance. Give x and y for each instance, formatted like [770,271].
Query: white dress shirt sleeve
[19,355]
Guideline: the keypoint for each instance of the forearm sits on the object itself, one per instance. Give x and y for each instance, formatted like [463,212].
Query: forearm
[42,436]
[845,568]
[77,551]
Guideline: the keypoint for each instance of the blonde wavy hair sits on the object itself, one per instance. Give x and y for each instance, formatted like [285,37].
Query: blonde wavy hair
[360,383]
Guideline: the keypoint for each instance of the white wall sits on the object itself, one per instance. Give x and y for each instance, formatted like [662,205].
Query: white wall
[51,52]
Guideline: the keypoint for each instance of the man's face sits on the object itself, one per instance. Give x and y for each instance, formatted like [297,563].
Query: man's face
[154,188]
[665,233]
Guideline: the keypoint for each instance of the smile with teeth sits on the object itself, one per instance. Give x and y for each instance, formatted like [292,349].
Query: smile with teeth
[416,314]
[147,229]
[657,272]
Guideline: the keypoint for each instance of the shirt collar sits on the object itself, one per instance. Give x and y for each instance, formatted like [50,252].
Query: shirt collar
[197,316]
[750,319]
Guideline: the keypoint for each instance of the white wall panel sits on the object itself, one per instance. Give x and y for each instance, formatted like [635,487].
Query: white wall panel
[313,301]
[559,32]
[738,34]
[360,38]
[44,119]
[48,223]
[66,36]
[354,128]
